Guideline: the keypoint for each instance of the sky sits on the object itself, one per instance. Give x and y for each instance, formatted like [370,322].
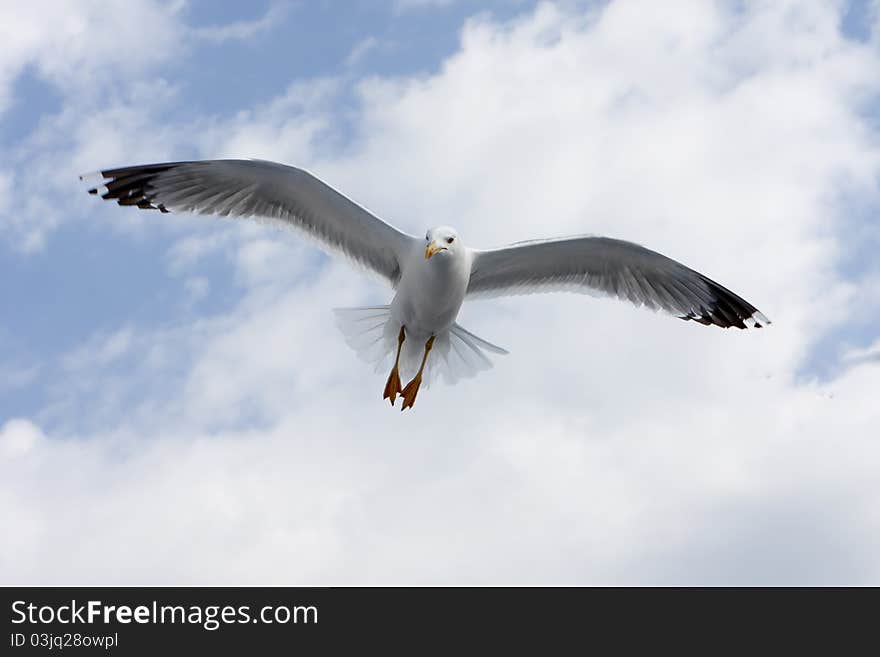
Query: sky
[176,406]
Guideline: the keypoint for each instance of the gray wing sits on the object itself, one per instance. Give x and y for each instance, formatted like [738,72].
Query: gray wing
[256,188]
[612,267]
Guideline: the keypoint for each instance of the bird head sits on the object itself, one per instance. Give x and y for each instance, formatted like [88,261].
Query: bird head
[442,241]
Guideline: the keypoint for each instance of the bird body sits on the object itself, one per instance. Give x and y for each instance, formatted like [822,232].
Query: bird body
[432,289]
[418,331]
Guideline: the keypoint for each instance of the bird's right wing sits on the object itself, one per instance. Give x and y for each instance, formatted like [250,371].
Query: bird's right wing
[612,267]
[256,188]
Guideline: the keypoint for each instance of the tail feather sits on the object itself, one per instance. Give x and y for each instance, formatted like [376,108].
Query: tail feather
[366,332]
[372,332]
[485,344]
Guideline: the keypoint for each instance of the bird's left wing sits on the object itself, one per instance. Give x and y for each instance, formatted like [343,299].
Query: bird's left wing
[612,267]
[256,188]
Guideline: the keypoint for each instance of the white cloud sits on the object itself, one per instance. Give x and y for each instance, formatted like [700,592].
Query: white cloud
[79,44]
[102,62]
[361,49]
[870,354]
[101,351]
[612,445]
[243,30]
[46,165]
[18,437]
[96,61]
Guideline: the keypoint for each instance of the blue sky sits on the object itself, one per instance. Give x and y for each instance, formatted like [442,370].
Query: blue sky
[743,141]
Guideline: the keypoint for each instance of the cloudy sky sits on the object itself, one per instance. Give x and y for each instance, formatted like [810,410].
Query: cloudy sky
[176,406]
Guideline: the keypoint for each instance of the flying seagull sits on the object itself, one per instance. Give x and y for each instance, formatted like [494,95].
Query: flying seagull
[431,276]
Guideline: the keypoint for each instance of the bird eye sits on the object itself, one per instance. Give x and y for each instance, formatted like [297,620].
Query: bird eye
[450,240]
[427,237]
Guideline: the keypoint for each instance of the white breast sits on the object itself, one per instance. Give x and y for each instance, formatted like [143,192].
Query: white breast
[430,292]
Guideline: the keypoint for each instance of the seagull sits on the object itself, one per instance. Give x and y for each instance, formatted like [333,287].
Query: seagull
[431,277]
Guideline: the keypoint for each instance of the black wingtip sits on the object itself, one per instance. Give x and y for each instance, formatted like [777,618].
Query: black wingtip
[132,186]
[727,310]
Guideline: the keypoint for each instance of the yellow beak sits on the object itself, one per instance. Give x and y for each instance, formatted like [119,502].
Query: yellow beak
[433,248]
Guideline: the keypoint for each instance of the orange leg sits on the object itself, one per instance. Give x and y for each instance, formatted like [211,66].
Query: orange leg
[392,387]
[412,388]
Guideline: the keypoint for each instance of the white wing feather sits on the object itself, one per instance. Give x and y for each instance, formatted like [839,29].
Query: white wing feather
[611,267]
[256,188]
